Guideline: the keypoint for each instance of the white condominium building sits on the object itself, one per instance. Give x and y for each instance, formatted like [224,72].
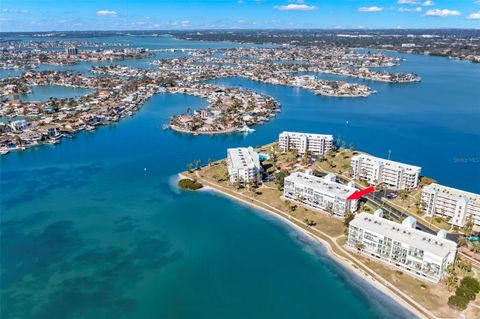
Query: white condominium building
[317,144]
[401,245]
[450,202]
[243,165]
[378,170]
[320,193]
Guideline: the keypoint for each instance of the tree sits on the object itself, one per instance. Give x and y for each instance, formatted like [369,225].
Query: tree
[348,218]
[451,282]
[190,167]
[458,302]
[309,222]
[280,179]
[210,162]
[198,163]
[471,284]
[468,228]
[403,194]
[465,292]
[462,241]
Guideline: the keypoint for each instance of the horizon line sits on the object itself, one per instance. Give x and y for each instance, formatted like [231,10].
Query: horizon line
[249,29]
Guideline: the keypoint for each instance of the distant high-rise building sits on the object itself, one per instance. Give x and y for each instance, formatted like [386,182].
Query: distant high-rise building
[71,50]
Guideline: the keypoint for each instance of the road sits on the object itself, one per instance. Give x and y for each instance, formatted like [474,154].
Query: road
[394,213]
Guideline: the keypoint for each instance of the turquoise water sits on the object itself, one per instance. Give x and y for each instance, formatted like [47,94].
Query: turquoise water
[43,93]
[86,232]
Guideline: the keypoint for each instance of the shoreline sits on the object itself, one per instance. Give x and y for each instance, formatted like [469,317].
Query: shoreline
[404,301]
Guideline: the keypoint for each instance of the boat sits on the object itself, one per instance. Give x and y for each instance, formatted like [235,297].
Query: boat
[245,129]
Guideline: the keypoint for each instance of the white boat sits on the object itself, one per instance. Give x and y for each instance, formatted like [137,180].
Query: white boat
[246,129]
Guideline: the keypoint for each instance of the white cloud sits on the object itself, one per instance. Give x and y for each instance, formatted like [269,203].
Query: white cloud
[402,9]
[15,10]
[185,22]
[474,16]
[107,13]
[296,7]
[410,2]
[370,9]
[427,3]
[443,13]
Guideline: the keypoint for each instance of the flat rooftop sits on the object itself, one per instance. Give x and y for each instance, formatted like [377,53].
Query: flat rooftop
[452,192]
[404,234]
[242,157]
[387,163]
[321,184]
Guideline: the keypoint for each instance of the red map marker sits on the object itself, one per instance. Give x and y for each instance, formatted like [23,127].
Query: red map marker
[359,194]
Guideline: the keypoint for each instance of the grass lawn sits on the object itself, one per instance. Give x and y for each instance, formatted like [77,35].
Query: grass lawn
[431,296]
[337,162]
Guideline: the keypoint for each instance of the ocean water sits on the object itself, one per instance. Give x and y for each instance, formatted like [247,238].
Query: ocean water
[87,232]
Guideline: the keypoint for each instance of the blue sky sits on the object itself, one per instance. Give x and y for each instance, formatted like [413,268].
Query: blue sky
[42,15]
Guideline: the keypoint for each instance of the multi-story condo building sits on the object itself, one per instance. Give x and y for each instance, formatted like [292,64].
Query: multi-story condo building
[71,50]
[317,144]
[243,165]
[320,193]
[453,203]
[401,245]
[376,170]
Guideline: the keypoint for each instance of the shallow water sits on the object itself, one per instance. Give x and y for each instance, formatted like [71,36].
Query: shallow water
[87,232]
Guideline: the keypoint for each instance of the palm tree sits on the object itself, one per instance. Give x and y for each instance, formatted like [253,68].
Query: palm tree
[451,282]
[197,163]
[468,228]
[462,241]
[209,162]
[189,167]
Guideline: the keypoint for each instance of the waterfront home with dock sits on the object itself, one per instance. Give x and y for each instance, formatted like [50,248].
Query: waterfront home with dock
[401,245]
[377,170]
[243,165]
[455,204]
[317,144]
[323,194]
